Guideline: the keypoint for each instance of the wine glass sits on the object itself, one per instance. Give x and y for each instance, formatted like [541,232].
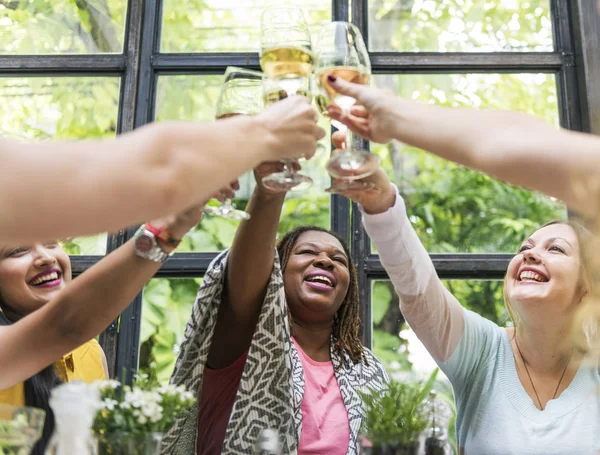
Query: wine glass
[289,179]
[341,52]
[239,95]
[287,61]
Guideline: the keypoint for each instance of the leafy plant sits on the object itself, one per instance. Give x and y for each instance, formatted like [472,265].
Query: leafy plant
[147,407]
[396,416]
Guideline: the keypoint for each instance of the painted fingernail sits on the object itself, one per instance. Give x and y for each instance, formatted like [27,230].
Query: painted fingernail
[331,78]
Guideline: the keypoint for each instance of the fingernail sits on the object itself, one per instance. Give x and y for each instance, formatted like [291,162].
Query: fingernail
[331,78]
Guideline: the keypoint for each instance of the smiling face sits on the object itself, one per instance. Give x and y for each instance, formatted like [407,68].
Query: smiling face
[544,278]
[316,277]
[31,276]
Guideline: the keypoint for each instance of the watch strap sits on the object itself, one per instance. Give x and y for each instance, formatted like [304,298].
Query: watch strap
[164,236]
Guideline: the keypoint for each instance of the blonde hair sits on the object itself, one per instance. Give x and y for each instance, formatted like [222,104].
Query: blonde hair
[583,328]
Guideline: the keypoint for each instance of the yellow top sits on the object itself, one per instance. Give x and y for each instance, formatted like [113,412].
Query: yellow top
[84,364]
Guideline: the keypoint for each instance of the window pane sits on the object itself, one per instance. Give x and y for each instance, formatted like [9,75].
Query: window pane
[167,306]
[62,27]
[193,98]
[396,345]
[460,26]
[42,108]
[452,208]
[226,25]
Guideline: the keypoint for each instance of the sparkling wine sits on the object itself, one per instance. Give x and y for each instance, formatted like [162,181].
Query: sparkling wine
[281,62]
[349,74]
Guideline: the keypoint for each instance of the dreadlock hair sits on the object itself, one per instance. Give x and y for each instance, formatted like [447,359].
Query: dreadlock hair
[346,322]
[37,394]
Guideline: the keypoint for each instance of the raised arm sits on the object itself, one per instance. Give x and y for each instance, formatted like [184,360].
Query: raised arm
[63,189]
[248,271]
[429,308]
[512,146]
[83,309]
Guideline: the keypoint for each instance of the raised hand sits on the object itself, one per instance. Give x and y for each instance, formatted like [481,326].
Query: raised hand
[292,129]
[373,200]
[371,117]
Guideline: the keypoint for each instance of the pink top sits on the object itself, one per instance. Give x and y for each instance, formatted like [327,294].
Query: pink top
[219,389]
[325,426]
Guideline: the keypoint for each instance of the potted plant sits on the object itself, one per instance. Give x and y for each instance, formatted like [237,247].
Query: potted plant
[134,419]
[397,416]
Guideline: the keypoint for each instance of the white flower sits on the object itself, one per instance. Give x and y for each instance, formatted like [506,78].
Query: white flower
[110,404]
[103,386]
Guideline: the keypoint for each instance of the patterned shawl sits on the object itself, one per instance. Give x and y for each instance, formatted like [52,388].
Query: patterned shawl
[272,384]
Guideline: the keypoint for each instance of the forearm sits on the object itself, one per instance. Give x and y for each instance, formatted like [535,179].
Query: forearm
[432,312]
[252,253]
[84,187]
[512,146]
[83,310]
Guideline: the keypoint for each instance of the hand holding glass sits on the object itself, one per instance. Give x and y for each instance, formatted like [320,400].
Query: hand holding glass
[240,95]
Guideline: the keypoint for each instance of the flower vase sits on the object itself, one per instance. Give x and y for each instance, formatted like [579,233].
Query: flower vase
[120,443]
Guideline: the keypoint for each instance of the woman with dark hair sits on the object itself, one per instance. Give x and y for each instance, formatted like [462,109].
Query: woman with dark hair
[36,285]
[29,278]
[52,190]
[273,342]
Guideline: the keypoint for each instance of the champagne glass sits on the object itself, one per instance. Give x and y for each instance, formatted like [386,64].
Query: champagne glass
[240,95]
[342,53]
[289,179]
[287,61]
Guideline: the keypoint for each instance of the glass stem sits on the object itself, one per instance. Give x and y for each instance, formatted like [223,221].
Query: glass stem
[349,135]
[287,167]
[227,203]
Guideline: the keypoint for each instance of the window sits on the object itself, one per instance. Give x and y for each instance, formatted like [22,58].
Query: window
[94,69]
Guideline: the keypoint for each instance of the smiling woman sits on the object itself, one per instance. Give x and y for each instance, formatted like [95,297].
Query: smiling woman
[519,389]
[31,277]
[275,329]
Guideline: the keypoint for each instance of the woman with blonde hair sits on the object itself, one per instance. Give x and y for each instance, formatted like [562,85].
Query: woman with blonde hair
[521,389]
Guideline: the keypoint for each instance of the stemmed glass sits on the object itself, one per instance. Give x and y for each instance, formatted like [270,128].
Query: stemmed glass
[239,95]
[287,61]
[341,52]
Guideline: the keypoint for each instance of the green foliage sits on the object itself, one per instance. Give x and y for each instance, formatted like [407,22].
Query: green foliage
[397,416]
[460,25]
[146,407]
[452,209]
[61,26]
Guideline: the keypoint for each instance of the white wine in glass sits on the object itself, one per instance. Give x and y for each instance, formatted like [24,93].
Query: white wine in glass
[342,53]
[286,59]
[284,62]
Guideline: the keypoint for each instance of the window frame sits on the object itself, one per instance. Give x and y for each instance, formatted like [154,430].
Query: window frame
[575,61]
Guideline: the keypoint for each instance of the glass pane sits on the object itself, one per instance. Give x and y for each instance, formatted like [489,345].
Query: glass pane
[396,345]
[41,108]
[62,26]
[226,25]
[460,25]
[167,306]
[193,98]
[452,208]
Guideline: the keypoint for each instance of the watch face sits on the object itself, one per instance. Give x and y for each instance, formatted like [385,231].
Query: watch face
[144,243]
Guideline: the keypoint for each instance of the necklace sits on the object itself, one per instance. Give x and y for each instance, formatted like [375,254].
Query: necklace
[531,380]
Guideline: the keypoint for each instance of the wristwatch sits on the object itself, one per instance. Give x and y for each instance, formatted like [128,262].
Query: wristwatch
[148,247]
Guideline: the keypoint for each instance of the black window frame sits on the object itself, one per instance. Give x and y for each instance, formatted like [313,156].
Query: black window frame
[575,61]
